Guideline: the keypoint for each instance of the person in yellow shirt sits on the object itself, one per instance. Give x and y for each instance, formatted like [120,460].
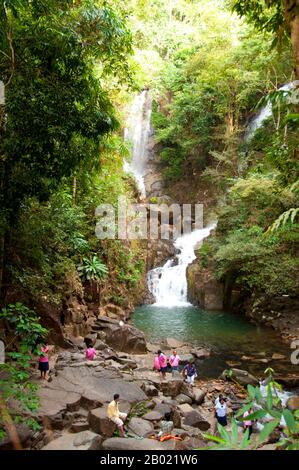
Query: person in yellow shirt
[115,415]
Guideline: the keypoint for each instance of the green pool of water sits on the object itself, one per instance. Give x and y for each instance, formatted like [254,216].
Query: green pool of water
[228,336]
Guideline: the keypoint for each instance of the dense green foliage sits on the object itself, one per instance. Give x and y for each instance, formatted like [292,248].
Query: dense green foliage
[15,383]
[68,68]
[209,91]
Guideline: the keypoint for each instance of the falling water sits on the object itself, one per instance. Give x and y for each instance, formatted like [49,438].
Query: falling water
[168,283]
[137,133]
[266,112]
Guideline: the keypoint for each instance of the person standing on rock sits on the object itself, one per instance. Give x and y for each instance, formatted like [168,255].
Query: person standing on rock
[163,363]
[116,416]
[221,412]
[43,363]
[217,401]
[174,361]
[189,372]
[156,365]
[248,422]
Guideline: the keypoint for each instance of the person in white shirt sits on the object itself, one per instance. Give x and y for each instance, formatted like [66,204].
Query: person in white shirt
[221,412]
[218,399]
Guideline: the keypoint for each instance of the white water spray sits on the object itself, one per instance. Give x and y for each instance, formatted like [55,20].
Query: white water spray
[168,284]
[266,112]
[137,133]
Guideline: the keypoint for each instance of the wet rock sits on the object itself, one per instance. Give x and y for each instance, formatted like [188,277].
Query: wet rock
[140,427]
[196,420]
[203,289]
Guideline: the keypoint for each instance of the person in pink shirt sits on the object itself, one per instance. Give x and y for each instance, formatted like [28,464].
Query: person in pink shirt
[90,353]
[43,363]
[163,363]
[174,361]
[156,366]
[248,422]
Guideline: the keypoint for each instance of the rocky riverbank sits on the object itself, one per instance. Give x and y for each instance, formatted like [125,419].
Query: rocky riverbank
[73,402]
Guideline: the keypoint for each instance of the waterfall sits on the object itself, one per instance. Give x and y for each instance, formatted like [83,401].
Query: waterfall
[168,284]
[266,112]
[137,133]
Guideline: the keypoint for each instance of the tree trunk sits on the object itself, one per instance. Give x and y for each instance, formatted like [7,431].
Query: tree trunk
[295,42]
[292,20]
[74,190]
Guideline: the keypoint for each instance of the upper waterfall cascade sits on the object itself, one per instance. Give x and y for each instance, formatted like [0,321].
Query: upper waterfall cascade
[137,134]
[168,284]
[266,112]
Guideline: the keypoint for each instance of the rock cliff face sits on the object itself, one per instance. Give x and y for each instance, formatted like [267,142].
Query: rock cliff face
[203,289]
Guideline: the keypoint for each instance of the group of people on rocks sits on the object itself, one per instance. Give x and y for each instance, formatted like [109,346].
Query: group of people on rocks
[167,425]
[221,414]
[119,418]
[162,364]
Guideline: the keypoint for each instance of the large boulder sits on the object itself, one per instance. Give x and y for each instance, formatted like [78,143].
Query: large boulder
[140,427]
[85,440]
[185,408]
[199,395]
[201,353]
[100,423]
[196,420]
[181,399]
[174,343]
[122,337]
[153,416]
[149,390]
[118,443]
[171,387]
[241,376]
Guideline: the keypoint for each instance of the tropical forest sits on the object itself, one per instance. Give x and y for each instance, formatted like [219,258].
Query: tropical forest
[149,226]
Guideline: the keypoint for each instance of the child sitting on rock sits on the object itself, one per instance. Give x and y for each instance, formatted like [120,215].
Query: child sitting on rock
[90,352]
